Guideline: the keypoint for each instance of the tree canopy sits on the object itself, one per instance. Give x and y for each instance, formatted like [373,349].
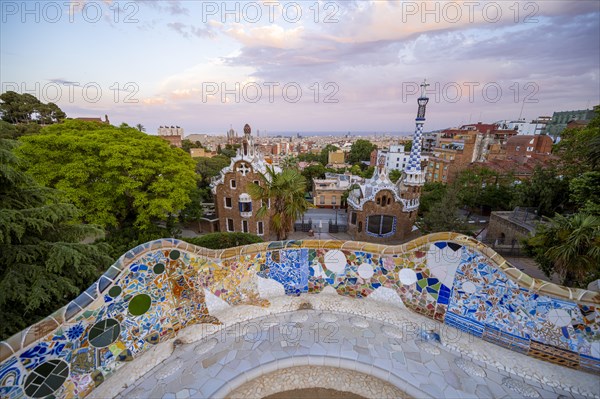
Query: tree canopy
[43,263]
[24,108]
[361,151]
[569,243]
[222,240]
[114,175]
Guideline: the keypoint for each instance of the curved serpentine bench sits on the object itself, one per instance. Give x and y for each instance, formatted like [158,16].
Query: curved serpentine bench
[159,294]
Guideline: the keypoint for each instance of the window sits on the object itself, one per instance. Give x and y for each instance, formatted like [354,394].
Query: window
[381,225]
[359,227]
[529,149]
[518,148]
[260,228]
[230,225]
[227,202]
[256,182]
[353,218]
[389,200]
[322,200]
[333,200]
[245,226]
[245,204]
[378,201]
[232,183]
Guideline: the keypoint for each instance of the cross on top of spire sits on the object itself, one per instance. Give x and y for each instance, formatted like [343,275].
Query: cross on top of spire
[424,87]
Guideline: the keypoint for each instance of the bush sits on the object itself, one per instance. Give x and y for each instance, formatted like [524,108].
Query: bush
[223,240]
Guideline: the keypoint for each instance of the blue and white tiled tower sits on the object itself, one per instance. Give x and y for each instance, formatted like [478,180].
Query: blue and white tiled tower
[415,176]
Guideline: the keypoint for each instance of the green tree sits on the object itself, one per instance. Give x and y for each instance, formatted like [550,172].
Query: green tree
[285,191]
[140,127]
[356,170]
[361,151]
[312,172]
[187,145]
[368,172]
[309,157]
[481,188]
[579,149]
[43,264]
[585,192]
[443,216]
[395,175]
[223,240]
[547,191]
[114,175]
[25,108]
[289,162]
[229,151]
[210,167]
[569,246]
[431,194]
[324,158]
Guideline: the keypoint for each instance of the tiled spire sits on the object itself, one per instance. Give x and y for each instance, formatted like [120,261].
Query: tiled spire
[414,161]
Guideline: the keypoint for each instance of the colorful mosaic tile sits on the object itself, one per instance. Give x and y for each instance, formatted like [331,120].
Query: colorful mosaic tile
[156,290]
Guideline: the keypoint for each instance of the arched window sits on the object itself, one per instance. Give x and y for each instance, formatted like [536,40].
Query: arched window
[381,225]
[245,202]
[359,227]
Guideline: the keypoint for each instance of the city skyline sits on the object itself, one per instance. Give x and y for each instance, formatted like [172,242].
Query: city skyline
[181,62]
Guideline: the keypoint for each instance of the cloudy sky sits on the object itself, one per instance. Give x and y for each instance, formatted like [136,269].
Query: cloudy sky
[303,66]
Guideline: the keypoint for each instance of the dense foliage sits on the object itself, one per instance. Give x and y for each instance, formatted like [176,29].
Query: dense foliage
[44,263]
[223,240]
[361,151]
[24,108]
[116,176]
[569,243]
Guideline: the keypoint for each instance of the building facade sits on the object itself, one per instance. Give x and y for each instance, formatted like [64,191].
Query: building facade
[172,134]
[379,210]
[523,148]
[236,210]
[329,192]
[560,120]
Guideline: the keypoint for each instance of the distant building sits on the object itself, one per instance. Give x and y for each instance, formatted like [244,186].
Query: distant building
[328,192]
[235,209]
[523,127]
[430,141]
[201,153]
[232,137]
[455,151]
[172,134]
[560,120]
[523,148]
[379,209]
[336,158]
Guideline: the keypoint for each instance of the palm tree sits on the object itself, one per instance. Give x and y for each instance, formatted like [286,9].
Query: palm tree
[570,246]
[289,162]
[140,127]
[285,192]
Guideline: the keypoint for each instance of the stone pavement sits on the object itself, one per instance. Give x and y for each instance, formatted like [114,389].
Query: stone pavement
[229,359]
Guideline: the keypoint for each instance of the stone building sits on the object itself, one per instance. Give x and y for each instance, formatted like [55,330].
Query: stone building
[172,134]
[236,210]
[379,209]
